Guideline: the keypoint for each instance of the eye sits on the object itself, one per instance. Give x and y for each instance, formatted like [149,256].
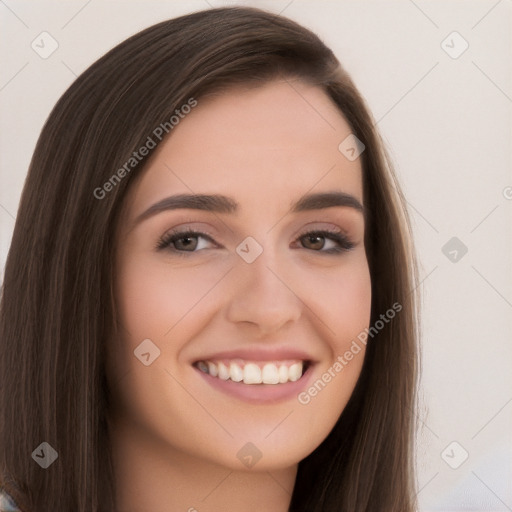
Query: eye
[183,241]
[324,241]
[319,240]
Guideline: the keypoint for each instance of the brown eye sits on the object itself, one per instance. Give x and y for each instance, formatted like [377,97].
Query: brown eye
[314,241]
[185,243]
[326,242]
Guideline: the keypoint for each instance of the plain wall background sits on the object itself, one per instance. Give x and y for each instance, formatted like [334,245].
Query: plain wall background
[447,123]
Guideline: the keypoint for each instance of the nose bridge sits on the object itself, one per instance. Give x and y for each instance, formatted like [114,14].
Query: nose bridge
[261,293]
[262,275]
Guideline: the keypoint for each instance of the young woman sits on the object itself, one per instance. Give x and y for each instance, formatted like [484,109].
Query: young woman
[209,299]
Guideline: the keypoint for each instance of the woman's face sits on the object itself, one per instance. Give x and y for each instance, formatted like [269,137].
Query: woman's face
[272,282]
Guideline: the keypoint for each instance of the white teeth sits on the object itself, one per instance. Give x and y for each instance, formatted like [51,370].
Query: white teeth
[251,373]
[270,374]
[212,369]
[283,374]
[295,372]
[235,372]
[223,371]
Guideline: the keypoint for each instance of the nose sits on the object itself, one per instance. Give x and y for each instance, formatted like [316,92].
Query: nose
[264,295]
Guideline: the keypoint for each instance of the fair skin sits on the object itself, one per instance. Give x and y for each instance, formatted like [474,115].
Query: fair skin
[176,431]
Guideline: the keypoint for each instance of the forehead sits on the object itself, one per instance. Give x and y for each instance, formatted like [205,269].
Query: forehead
[270,143]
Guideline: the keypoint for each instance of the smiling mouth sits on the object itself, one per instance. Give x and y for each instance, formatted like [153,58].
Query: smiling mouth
[248,372]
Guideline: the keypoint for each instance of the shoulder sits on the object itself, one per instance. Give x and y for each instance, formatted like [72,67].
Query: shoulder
[7,504]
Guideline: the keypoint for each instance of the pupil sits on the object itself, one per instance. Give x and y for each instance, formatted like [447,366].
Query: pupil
[316,239]
[186,241]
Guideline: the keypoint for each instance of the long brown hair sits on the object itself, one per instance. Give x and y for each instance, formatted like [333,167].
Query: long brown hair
[58,311]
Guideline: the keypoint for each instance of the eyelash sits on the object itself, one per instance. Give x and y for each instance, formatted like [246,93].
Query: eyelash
[344,244]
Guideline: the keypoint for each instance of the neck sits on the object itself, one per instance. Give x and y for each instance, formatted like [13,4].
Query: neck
[152,475]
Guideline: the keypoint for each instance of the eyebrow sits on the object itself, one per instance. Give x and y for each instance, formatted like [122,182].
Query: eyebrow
[223,204]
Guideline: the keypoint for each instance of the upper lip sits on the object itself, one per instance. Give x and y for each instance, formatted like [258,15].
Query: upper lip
[259,354]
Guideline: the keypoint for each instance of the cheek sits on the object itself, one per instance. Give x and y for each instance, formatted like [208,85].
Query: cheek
[155,302]
[351,306]
[342,299]
[153,297]
[167,305]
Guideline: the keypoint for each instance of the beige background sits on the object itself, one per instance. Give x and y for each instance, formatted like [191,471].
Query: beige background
[448,125]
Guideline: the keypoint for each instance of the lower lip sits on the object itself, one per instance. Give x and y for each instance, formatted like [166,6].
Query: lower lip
[259,393]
